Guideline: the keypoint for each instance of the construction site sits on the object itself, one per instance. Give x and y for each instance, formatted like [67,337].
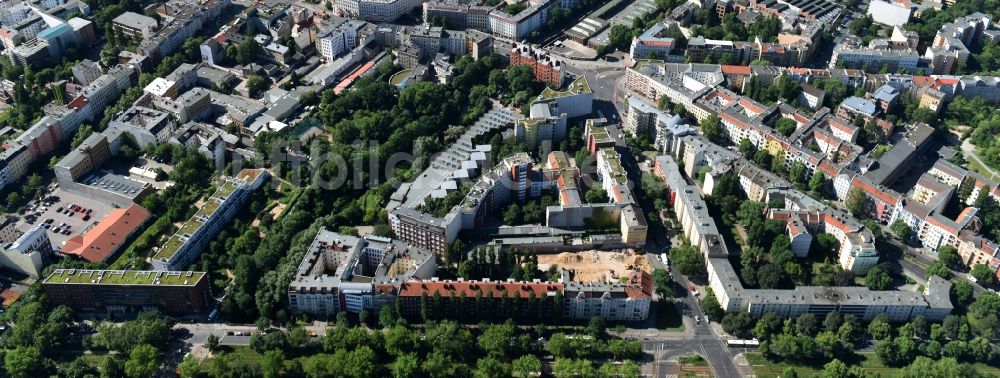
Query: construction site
[596,266]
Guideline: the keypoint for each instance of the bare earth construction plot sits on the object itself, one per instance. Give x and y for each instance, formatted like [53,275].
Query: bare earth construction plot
[595,266]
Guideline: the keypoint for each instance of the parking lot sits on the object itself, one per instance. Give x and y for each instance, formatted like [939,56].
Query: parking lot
[67,219]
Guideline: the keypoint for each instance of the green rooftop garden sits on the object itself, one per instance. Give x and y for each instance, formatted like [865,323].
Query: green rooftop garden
[211,205]
[580,85]
[600,132]
[123,277]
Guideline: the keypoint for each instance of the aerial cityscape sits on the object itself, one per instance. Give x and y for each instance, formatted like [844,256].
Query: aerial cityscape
[500,188]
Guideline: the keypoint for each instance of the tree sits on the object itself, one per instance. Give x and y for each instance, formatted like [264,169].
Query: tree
[620,37]
[81,135]
[565,368]
[256,85]
[746,147]
[817,184]
[937,268]
[983,274]
[963,290]
[807,324]
[399,341]
[143,361]
[949,256]
[495,339]
[687,259]
[900,229]
[738,324]
[24,362]
[526,366]
[835,369]
[878,278]
[212,342]
[12,199]
[596,195]
[770,276]
[298,337]
[663,284]
[857,203]
[406,366]
[513,214]
[785,126]
[596,326]
[489,366]
[711,127]
[272,363]
[710,305]
[879,328]
[387,316]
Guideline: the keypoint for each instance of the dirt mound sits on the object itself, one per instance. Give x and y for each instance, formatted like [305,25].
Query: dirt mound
[639,262]
[568,258]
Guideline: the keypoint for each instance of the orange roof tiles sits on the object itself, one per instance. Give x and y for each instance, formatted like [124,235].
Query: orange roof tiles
[108,235]
[735,70]
[353,76]
[873,191]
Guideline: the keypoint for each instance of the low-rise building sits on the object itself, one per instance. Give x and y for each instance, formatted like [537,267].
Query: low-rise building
[108,236]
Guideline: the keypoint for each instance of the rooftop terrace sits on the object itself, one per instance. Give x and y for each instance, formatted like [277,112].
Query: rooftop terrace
[124,277]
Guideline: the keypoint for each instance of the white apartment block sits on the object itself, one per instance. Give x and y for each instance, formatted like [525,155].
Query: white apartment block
[376,11]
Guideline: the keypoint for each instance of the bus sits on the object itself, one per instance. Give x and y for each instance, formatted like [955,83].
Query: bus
[743,343]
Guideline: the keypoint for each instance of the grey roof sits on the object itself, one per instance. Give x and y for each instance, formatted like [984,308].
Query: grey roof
[135,20]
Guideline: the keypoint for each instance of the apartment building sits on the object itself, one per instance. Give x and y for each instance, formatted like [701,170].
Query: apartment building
[181,249]
[950,48]
[627,301]
[484,299]
[652,44]
[803,215]
[29,253]
[339,40]
[146,125]
[341,272]
[14,163]
[376,11]
[892,54]
[119,292]
[544,67]
[933,303]
[517,27]
[135,26]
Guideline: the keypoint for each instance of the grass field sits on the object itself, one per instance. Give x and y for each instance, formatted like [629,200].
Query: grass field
[764,368]
[975,166]
[692,360]
[667,317]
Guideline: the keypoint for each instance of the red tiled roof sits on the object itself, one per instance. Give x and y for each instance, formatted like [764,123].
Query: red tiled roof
[353,76]
[735,70]
[922,81]
[108,235]
[873,191]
